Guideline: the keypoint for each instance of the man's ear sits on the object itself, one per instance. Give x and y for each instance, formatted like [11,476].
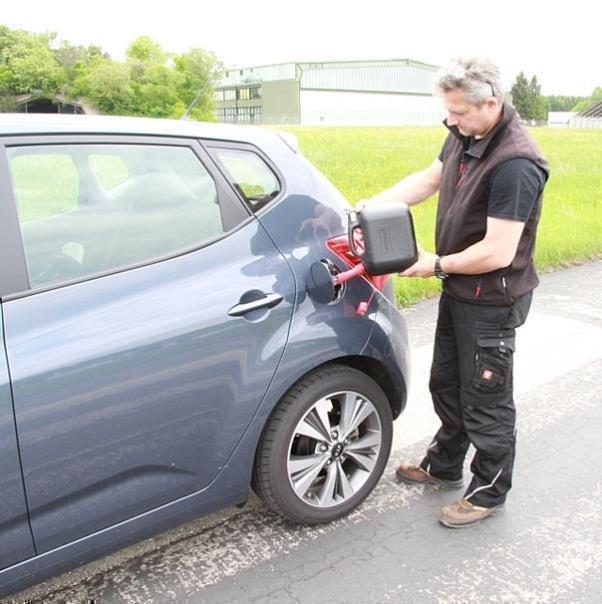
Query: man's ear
[492,103]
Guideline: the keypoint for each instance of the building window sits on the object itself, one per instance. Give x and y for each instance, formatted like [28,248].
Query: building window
[229,114]
[230,95]
[244,114]
[255,92]
[255,115]
[243,94]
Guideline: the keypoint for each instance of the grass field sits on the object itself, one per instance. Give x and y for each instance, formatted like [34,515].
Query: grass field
[363,161]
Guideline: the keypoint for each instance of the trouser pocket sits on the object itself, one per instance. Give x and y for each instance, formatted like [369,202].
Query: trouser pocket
[493,361]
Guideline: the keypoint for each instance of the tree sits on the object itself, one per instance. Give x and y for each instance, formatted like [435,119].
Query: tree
[563,103]
[150,82]
[596,97]
[7,103]
[526,96]
[520,95]
[154,80]
[37,70]
[146,50]
[108,86]
[540,103]
[198,69]
[27,63]
[77,61]
[155,91]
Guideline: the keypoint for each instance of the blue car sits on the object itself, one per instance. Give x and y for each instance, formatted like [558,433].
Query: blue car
[165,346]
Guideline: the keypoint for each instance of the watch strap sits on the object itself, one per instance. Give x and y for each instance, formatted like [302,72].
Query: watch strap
[439,272]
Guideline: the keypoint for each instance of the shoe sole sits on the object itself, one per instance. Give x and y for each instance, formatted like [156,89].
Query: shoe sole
[450,484]
[450,524]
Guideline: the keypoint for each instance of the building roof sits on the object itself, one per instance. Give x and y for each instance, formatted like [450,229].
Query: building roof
[392,76]
[32,96]
[324,64]
[80,102]
[594,110]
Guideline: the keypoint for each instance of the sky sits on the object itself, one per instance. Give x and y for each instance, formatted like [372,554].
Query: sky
[559,45]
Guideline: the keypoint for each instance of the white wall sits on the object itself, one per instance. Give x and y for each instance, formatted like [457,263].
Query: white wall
[560,118]
[365,108]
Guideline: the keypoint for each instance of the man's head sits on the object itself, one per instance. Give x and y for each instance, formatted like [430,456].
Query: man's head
[471,90]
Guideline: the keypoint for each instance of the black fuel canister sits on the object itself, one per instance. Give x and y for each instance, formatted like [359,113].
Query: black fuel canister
[388,237]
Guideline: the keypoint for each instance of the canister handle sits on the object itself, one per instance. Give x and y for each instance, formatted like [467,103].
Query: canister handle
[353,222]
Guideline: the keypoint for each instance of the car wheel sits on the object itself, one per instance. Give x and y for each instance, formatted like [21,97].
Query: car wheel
[325,446]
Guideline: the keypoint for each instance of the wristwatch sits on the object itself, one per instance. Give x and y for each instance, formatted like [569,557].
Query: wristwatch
[439,272]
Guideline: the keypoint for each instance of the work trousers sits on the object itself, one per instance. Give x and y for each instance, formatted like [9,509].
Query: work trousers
[471,386]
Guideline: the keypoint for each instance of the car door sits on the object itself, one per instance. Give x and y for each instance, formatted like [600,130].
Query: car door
[155,315]
[16,543]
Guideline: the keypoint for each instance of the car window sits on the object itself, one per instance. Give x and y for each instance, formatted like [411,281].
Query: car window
[47,183]
[250,175]
[86,209]
[110,169]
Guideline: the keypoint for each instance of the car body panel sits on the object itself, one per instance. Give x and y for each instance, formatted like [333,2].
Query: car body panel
[16,542]
[133,389]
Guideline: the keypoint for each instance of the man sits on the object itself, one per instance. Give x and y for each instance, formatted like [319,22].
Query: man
[490,176]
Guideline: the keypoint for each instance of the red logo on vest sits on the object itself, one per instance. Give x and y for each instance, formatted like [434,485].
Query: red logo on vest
[461,171]
[487,375]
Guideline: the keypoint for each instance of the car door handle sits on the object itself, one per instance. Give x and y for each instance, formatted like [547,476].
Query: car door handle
[267,301]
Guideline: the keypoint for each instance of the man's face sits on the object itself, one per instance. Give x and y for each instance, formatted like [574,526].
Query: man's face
[470,119]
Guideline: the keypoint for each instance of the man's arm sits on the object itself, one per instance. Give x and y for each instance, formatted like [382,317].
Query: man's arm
[413,188]
[496,250]
[515,187]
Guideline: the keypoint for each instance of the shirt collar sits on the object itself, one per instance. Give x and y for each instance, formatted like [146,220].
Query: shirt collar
[479,147]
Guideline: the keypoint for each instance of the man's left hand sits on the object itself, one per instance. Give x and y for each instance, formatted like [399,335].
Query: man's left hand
[423,267]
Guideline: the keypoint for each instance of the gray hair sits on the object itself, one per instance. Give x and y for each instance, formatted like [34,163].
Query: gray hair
[478,78]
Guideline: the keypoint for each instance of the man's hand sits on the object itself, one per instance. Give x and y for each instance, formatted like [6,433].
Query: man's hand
[423,267]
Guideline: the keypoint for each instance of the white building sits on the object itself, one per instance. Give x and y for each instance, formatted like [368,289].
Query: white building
[392,92]
[560,119]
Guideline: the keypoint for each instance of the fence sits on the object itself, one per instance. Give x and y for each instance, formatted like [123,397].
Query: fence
[585,122]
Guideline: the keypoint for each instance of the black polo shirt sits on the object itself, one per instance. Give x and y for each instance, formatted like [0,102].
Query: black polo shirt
[514,188]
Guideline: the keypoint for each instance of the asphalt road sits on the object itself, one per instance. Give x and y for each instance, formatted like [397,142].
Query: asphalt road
[546,547]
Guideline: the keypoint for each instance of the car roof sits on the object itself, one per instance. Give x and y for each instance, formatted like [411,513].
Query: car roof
[20,124]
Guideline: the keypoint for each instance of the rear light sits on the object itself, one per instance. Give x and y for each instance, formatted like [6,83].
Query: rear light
[340,247]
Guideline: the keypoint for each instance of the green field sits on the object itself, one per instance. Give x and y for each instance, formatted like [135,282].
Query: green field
[364,161]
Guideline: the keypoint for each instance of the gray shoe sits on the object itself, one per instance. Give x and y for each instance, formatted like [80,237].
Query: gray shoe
[416,475]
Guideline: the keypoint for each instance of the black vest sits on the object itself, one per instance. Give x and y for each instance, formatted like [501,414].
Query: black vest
[462,210]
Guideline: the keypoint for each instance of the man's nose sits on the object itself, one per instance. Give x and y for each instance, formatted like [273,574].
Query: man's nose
[451,120]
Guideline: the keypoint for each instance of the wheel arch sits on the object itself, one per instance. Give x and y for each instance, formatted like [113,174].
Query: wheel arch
[395,390]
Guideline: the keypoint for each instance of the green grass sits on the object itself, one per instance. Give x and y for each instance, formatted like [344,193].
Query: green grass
[364,161]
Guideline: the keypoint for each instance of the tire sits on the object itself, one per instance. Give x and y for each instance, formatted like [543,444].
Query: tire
[325,446]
